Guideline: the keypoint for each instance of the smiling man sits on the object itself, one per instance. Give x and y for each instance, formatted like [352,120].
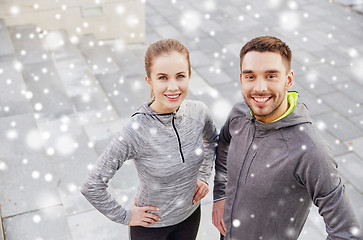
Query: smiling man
[271,162]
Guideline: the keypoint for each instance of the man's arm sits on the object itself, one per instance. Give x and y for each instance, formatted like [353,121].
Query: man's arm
[318,172]
[220,179]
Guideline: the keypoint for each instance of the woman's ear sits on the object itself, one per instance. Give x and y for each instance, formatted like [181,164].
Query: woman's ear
[148,80]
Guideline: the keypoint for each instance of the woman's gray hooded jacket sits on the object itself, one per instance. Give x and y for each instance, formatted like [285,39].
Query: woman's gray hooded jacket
[170,152]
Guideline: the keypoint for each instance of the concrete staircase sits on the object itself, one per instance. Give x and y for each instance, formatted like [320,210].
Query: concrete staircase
[58,111]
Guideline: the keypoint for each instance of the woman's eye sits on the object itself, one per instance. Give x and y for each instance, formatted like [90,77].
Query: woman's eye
[163,78]
[180,76]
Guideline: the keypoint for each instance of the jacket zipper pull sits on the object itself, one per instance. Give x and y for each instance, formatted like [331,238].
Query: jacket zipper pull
[177,135]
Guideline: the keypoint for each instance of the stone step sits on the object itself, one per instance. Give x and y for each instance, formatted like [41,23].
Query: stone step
[5,40]
[98,56]
[90,102]
[43,86]
[14,97]
[27,41]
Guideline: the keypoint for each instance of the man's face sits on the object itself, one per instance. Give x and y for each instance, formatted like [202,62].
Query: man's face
[265,80]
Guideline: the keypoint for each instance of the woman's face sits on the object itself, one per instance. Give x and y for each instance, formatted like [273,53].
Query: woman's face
[169,80]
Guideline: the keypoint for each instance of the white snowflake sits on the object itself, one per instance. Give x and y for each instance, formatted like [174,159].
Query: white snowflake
[36,218]
[236,223]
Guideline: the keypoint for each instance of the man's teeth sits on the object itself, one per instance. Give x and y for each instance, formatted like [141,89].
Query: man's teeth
[261,99]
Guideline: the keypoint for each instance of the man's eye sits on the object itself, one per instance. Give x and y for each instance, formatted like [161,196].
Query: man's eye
[249,77]
[271,76]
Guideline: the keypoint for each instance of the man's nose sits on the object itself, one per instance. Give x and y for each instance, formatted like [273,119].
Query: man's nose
[261,85]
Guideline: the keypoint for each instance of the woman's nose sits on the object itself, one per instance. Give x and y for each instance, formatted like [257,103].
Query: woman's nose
[172,85]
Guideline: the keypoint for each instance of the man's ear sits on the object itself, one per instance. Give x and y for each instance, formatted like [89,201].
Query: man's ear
[290,79]
[240,77]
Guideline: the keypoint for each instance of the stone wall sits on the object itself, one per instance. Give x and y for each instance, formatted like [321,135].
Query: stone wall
[106,19]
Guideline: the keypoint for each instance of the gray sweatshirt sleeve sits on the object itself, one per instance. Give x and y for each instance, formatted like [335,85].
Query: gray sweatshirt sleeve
[220,178]
[95,186]
[318,172]
[210,143]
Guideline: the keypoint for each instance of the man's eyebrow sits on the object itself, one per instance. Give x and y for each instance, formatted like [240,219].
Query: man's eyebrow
[247,71]
[272,71]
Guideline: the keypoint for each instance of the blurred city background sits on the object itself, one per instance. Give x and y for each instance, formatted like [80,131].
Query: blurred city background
[72,73]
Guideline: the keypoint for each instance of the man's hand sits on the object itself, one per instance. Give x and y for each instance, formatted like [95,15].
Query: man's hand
[217,216]
[201,191]
[140,216]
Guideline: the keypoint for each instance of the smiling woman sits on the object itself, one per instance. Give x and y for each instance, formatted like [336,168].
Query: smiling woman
[169,81]
[172,142]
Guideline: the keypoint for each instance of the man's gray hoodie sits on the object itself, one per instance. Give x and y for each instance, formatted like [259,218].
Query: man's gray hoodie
[270,173]
[170,152]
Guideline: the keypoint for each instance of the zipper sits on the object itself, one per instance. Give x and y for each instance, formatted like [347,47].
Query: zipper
[249,148]
[177,135]
[248,170]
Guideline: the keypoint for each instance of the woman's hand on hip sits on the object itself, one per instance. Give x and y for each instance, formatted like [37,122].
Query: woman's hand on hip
[201,191]
[141,216]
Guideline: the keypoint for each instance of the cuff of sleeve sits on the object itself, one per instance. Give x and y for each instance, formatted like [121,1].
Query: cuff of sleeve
[201,179]
[127,217]
[219,199]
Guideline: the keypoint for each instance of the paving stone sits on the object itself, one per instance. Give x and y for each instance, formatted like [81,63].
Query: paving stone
[351,89]
[92,225]
[207,231]
[349,2]
[315,105]
[96,55]
[27,44]
[131,63]
[337,146]
[335,58]
[100,134]
[330,74]
[338,126]
[351,167]
[314,83]
[125,93]
[42,81]
[358,8]
[305,58]
[7,47]
[49,223]
[199,59]
[28,180]
[214,76]
[357,120]
[342,104]
[356,146]
[70,149]
[168,31]
[14,95]
[157,20]
[314,227]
